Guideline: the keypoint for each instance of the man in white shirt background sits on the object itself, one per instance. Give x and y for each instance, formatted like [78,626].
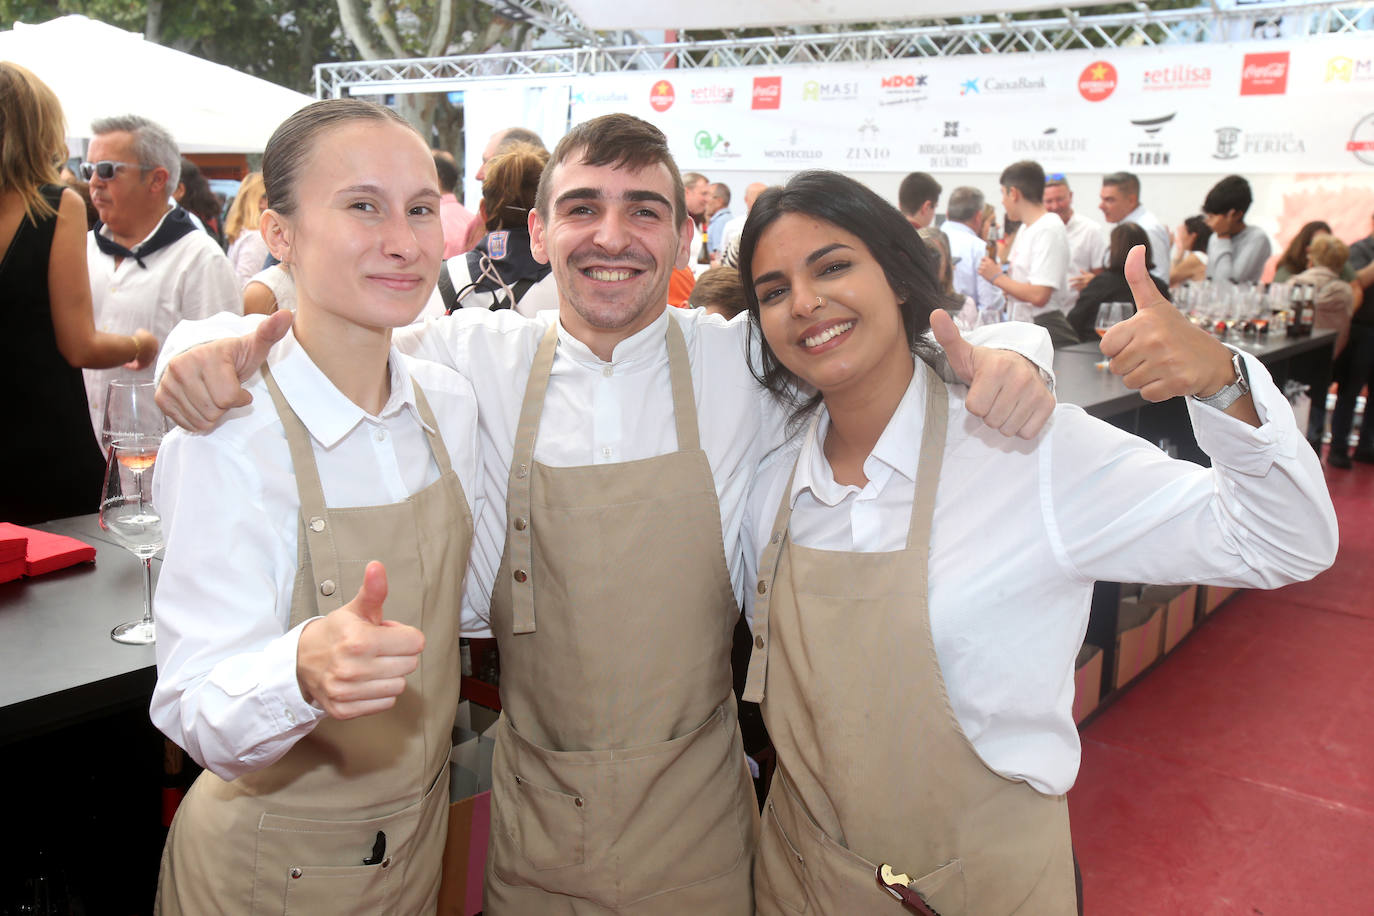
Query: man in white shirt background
[1235,252]
[918,197]
[1087,238]
[729,252]
[963,227]
[1038,265]
[1120,202]
[717,216]
[149,265]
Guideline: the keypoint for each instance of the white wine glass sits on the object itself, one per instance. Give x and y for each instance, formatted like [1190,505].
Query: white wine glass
[1110,314]
[130,411]
[127,512]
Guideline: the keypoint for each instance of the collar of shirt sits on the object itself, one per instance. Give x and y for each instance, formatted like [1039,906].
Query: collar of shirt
[898,451]
[105,230]
[328,415]
[1138,216]
[640,350]
[951,226]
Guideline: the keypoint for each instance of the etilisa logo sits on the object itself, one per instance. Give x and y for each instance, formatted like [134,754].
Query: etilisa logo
[767,92]
[1179,76]
[1349,70]
[1264,74]
[712,95]
[661,96]
[1097,81]
[1228,138]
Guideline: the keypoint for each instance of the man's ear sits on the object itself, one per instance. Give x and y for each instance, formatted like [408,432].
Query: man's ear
[157,180]
[276,232]
[537,247]
[687,236]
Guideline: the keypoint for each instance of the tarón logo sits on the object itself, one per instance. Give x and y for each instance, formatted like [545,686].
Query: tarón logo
[661,96]
[1097,81]
[1149,150]
[1152,126]
[1265,74]
[1227,140]
[767,92]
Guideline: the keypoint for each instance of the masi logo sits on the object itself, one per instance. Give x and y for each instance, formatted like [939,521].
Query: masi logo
[1265,74]
[1349,70]
[814,91]
[767,92]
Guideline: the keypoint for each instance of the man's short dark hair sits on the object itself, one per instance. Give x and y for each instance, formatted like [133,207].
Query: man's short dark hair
[1027,177]
[617,140]
[1128,183]
[916,189]
[964,204]
[1231,193]
[448,173]
[721,192]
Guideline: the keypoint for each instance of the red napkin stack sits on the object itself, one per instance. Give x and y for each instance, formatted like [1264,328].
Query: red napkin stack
[12,548]
[43,551]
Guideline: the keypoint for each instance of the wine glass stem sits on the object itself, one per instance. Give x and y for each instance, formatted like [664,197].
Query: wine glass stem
[147,590]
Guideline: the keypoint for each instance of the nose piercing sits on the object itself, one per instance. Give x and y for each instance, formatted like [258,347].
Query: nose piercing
[820,302]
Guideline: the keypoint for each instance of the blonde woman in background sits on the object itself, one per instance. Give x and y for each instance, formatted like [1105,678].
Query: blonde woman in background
[247,250]
[56,468]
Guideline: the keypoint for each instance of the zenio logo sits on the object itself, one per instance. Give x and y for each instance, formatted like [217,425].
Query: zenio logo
[1265,74]
[767,92]
[661,96]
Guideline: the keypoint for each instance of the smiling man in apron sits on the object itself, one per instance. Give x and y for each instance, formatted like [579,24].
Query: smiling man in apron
[619,780]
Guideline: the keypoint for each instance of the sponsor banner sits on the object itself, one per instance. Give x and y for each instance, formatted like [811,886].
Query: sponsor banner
[1253,107]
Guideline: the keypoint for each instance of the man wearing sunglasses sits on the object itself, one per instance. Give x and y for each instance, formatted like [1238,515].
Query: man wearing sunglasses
[149,266]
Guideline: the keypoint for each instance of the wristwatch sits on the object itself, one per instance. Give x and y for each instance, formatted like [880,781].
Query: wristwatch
[1231,393]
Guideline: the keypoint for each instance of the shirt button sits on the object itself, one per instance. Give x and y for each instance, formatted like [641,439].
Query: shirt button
[380,435]
[520,575]
[606,451]
[763,587]
[758,642]
[291,717]
[607,371]
[327,587]
[317,524]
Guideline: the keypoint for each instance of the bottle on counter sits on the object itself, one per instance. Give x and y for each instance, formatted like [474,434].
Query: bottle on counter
[1296,303]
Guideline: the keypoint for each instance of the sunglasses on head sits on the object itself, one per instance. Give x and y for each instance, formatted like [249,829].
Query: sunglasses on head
[105,169]
[1054,176]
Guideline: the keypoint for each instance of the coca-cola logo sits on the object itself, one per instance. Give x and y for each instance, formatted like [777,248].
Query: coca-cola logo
[767,92]
[1264,74]
[661,96]
[1097,81]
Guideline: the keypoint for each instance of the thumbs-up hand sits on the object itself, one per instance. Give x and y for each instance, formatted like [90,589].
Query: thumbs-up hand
[201,384]
[1158,351]
[1005,388]
[353,662]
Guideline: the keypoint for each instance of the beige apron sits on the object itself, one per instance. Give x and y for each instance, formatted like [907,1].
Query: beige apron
[873,766]
[619,783]
[293,836]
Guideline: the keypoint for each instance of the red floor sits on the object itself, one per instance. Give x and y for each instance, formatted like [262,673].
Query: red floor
[1237,777]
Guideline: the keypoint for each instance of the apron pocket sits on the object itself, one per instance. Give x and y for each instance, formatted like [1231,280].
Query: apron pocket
[779,868]
[360,889]
[549,826]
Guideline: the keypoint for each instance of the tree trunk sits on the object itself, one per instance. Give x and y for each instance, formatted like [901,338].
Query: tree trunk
[152,23]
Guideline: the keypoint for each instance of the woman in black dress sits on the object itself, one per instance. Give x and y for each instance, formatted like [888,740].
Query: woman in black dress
[51,466]
[1111,285]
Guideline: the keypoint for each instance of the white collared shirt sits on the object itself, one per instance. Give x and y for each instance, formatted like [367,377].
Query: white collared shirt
[1087,251]
[599,412]
[1040,256]
[227,690]
[190,278]
[1160,243]
[1022,529]
[967,251]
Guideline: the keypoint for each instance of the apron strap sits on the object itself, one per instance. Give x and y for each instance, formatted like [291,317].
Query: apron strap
[684,397]
[318,537]
[431,428]
[918,534]
[518,540]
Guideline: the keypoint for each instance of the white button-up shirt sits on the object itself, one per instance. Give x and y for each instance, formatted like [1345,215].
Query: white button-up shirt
[1088,250]
[227,690]
[1040,256]
[1158,234]
[967,250]
[190,278]
[1022,529]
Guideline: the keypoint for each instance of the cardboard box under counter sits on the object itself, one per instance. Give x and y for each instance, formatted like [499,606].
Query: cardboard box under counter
[1180,610]
[1087,681]
[1139,639]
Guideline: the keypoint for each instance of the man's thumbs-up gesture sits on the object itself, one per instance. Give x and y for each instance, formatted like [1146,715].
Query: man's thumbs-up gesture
[352,662]
[1162,354]
[1005,388]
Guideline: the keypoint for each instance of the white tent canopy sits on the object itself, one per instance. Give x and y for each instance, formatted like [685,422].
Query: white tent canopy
[98,71]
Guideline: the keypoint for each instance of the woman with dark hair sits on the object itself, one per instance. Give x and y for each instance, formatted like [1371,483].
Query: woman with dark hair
[1190,252]
[922,587]
[1111,285]
[291,601]
[53,465]
[1294,258]
[194,195]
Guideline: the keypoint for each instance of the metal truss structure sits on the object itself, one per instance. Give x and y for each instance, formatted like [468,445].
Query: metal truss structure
[617,52]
